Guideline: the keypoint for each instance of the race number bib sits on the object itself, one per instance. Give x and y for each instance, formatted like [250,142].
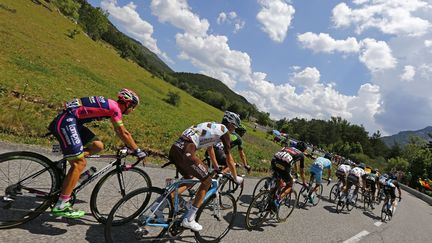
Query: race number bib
[75,103]
[284,156]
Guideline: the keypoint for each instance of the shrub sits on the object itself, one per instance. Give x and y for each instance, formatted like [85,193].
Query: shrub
[173,98]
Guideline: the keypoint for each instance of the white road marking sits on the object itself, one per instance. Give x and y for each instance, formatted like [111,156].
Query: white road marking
[357,237]
[378,223]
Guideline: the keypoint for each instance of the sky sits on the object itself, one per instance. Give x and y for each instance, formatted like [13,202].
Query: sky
[367,61]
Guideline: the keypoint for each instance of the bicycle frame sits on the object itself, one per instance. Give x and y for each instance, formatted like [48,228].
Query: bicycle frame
[214,189]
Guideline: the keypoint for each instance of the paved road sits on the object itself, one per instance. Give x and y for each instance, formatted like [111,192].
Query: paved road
[412,222]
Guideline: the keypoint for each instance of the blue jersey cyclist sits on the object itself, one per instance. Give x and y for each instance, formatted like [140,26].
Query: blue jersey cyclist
[318,167]
[77,141]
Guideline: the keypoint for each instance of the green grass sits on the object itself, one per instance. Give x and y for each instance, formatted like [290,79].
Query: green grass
[36,51]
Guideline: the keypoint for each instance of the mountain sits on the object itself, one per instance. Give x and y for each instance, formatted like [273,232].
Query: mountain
[402,138]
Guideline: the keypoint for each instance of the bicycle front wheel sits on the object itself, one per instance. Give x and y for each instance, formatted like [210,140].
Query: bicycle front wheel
[262,185]
[258,210]
[149,224]
[229,186]
[110,189]
[216,215]
[27,184]
[287,206]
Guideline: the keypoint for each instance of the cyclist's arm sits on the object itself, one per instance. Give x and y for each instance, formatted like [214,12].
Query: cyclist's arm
[399,190]
[242,156]
[126,137]
[211,153]
[230,160]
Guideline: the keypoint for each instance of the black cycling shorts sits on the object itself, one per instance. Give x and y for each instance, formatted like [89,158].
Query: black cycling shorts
[282,170]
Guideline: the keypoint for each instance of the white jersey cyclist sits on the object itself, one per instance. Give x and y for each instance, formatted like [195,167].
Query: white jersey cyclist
[205,134]
[357,171]
[344,168]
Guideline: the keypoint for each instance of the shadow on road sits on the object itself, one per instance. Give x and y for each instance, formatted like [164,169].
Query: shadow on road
[372,215]
[43,225]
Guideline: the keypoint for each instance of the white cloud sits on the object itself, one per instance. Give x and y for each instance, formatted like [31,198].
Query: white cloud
[214,56]
[408,74]
[306,78]
[324,43]
[390,17]
[376,55]
[275,16]
[317,100]
[129,19]
[178,13]
[231,18]
[428,43]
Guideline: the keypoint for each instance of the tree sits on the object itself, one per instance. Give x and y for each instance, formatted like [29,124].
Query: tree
[173,98]
[93,20]
[69,8]
[397,164]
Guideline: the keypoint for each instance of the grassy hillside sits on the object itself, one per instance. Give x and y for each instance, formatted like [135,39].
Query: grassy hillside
[35,50]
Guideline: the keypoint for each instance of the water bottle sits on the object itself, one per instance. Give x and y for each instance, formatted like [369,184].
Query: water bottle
[84,176]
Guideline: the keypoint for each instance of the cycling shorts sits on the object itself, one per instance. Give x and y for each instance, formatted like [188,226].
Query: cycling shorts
[182,153]
[353,179]
[390,191]
[281,169]
[316,173]
[341,175]
[72,135]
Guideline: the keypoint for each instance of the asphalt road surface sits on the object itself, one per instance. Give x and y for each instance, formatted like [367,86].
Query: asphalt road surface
[412,221]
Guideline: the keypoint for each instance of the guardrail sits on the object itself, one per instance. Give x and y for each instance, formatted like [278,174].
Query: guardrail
[416,193]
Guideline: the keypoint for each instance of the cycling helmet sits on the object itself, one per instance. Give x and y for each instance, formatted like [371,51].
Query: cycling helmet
[301,146]
[328,156]
[241,130]
[385,176]
[374,171]
[393,177]
[362,165]
[128,96]
[231,117]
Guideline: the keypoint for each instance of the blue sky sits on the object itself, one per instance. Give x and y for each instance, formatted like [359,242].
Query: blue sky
[368,61]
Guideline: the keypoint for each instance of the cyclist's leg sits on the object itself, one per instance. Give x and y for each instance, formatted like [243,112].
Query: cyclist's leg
[66,130]
[189,166]
[393,200]
[92,144]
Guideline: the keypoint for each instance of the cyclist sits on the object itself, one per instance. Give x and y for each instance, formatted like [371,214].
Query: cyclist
[317,169]
[389,188]
[343,171]
[183,155]
[236,140]
[77,141]
[282,164]
[371,182]
[356,177]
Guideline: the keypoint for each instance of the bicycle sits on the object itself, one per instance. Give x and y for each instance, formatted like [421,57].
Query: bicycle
[161,220]
[264,203]
[348,199]
[335,191]
[228,184]
[367,199]
[262,185]
[308,195]
[381,196]
[386,210]
[33,184]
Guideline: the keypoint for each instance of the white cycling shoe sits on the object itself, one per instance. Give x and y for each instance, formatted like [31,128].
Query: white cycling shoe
[193,225]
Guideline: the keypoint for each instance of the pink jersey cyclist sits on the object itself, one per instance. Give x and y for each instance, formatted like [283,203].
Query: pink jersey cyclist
[68,125]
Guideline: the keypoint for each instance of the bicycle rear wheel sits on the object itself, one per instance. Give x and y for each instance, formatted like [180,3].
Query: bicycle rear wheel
[334,193]
[229,186]
[27,184]
[316,195]
[216,215]
[385,212]
[262,185]
[258,210]
[353,202]
[145,226]
[302,197]
[107,191]
[287,206]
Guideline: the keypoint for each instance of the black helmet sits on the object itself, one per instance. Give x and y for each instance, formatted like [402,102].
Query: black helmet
[362,165]
[328,156]
[231,117]
[301,146]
